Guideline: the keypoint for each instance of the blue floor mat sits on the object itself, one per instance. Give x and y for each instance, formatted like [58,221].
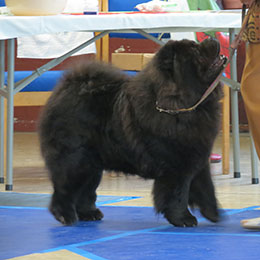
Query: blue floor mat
[128,233]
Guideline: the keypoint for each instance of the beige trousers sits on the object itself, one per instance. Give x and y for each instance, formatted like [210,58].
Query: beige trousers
[250,89]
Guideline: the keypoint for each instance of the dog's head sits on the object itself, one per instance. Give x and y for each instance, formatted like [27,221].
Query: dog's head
[188,69]
[183,59]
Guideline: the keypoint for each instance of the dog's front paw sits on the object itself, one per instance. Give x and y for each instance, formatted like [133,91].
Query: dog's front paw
[181,220]
[211,213]
[91,215]
[63,210]
[66,217]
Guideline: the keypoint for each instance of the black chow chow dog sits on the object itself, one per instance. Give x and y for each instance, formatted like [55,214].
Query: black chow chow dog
[99,119]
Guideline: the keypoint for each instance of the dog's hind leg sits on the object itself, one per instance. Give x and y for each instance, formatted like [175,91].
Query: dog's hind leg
[202,194]
[86,201]
[69,175]
[171,199]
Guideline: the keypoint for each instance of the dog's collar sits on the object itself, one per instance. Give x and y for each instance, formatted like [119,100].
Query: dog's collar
[213,85]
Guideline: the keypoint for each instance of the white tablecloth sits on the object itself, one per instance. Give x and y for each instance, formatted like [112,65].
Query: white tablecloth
[46,46]
[18,26]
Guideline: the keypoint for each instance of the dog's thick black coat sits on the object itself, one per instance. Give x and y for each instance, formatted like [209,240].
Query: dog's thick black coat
[100,119]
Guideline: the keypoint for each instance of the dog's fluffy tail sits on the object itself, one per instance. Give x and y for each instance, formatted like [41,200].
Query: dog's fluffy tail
[95,78]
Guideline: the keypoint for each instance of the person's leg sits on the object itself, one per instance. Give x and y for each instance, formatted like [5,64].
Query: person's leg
[250,89]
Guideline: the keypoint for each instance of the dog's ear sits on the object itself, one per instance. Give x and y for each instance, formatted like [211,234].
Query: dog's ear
[165,57]
[164,62]
[167,91]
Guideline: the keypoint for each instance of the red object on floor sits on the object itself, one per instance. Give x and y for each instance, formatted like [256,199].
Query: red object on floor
[215,158]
